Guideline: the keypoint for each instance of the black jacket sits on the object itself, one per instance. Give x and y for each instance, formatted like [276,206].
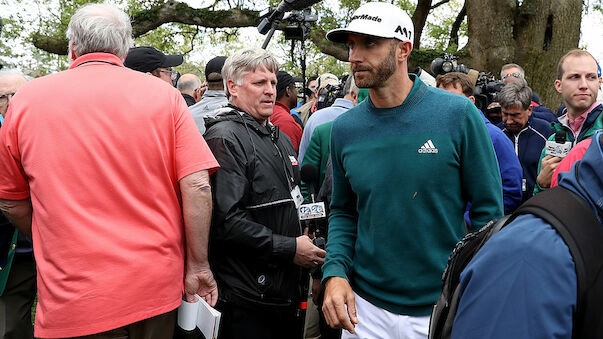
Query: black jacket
[254,222]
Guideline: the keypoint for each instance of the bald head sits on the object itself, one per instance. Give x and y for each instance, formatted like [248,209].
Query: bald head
[190,84]
[9,83]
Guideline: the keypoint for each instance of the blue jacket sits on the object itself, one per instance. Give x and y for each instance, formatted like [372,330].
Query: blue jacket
[541,112]
[522,283]
[509,166]
[528,145]
[508,163]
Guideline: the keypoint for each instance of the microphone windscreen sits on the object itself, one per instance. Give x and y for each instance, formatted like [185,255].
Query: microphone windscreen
[309,173]
[560,137]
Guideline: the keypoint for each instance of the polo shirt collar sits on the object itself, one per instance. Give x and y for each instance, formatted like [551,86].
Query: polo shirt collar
[99,56]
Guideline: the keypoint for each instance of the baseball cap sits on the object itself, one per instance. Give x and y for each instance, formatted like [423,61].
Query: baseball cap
[377,19]
[215,66]
[326,79]
[147,59]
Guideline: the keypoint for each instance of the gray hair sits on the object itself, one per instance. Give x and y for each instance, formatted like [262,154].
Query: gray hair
[350,85]
[236,66]
[515,93]
[507,66]
[188,84]
[100,28]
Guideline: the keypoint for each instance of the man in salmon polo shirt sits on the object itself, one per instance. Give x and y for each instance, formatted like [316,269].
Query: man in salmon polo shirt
[105,168]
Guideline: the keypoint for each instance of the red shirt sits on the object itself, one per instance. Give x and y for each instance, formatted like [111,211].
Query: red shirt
[100,149]
[282,118]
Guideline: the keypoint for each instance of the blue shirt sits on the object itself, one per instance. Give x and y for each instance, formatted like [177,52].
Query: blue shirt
[320,117]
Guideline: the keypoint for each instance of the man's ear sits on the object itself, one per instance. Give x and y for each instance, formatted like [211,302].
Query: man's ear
[233,88]
[472,98]
[558,85]
[404,47]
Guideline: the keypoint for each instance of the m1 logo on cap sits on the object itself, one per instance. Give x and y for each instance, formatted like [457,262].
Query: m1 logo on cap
[404,31]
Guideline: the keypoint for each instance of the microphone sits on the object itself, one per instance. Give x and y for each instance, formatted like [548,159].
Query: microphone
[314,213]
[284,6]
[558,147]
[309,175]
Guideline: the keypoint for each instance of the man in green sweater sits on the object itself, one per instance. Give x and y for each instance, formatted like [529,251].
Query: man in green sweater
[405,163]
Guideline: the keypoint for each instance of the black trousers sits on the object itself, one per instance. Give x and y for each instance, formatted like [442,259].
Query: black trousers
[249,322]
[158,327]
[18,298]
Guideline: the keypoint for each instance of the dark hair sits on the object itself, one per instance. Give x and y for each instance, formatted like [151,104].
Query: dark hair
[454,78]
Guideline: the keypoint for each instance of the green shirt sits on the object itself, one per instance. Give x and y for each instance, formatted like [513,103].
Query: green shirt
[402,177]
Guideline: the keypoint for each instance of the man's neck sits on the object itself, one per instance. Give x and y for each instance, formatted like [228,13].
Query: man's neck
[393,94]
[573,114]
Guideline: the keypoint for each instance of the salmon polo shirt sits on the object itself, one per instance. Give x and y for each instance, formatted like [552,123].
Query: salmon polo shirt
[100,149]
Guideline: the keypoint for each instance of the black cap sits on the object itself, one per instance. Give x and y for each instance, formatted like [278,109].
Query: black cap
[147,59]
[215,66]
[283,79]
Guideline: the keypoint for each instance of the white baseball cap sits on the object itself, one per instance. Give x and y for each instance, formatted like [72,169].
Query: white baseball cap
[379,19]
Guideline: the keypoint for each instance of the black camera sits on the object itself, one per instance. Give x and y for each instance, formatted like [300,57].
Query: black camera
[298,24]
[485,93]
[327,95]
[446,64]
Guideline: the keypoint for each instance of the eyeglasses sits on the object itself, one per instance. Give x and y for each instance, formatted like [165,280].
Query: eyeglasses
[7,96]
[173,74]
[515,75]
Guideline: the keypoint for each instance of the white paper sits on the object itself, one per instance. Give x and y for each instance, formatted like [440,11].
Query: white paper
[199,314]
[187,315]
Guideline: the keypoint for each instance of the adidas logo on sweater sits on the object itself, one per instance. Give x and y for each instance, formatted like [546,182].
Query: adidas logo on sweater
[428,147]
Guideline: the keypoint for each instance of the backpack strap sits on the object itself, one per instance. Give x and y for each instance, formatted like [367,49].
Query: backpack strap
[582,232]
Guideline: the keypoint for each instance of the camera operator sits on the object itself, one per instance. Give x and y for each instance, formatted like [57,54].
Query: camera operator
[328,114]
[307,109]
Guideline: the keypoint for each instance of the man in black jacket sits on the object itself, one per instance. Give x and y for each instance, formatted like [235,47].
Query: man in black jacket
[257,249]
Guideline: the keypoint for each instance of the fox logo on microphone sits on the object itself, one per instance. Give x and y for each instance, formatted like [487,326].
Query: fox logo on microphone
[559,147]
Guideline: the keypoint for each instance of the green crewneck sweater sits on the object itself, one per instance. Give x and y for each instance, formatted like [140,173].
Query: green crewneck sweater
[402,177]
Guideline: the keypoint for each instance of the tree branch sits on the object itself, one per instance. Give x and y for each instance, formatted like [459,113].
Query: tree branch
[439,4]
[173,11]
[454,31]
[419,18]
[338,51]
[169,11]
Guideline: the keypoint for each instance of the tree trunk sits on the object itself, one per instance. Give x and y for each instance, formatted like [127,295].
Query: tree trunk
[534,35]
[419,18]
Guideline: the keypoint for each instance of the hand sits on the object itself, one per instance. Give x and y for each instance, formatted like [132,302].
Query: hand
[202,89]
[338,295]
[201,281]
[306,254]
[547,167]
[316,289]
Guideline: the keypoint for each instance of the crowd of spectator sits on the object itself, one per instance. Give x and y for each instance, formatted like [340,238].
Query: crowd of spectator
[139,187]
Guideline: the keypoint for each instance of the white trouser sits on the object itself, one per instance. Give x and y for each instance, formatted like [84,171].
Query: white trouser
[377,323]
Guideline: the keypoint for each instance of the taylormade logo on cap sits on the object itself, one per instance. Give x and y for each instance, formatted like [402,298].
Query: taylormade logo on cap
[377,19]
[366,17]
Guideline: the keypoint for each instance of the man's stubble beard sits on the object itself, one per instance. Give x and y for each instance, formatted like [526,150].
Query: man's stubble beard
[382,73]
